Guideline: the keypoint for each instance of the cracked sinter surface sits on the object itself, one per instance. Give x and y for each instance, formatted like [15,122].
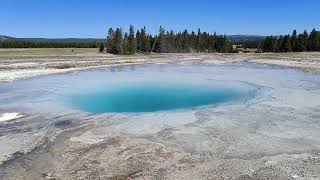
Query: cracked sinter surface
[273,135]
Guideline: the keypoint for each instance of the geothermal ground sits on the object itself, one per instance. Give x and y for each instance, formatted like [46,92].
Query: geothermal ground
[275,135]
[23,63]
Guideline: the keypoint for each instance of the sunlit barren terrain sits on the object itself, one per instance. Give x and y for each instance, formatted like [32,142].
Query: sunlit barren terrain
[274,134]
[22,63]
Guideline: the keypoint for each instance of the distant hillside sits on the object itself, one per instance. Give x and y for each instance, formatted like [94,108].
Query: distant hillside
[63,40]
[60,40]
[245,38]
[12,42]
[5,38]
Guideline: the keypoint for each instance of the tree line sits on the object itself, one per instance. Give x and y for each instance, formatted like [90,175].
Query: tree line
[293,43]
[119,42]
[46,44]
[131,42]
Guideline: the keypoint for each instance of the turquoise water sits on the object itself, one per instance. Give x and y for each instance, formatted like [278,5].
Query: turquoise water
[150,97]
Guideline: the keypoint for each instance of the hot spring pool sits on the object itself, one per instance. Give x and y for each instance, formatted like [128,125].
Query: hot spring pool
[127,89]
[152,96]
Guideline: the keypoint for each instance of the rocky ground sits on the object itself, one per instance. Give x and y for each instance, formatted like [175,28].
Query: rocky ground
[23,63]
[276,136]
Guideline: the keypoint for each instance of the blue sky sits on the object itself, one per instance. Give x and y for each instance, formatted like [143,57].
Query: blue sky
[91,18]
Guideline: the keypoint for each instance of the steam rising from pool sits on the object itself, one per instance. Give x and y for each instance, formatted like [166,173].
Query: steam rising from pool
[156,96]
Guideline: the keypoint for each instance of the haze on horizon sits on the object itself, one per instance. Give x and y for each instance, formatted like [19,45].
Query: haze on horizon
[90,19]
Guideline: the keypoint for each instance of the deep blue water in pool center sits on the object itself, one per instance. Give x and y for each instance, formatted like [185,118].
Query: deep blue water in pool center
[151,97]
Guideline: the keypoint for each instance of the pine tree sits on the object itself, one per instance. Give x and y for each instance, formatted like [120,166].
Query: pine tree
[193,40]
[125,44]
[160,44]
[110,41]
[300,44]
[184,42]
[305,40]
[268,44]
[138,41]
[143,41]
[117,40]
[313,41]
[294,42]
[150,43]
[199,40]
[101,47]
[131,41]
[285,44]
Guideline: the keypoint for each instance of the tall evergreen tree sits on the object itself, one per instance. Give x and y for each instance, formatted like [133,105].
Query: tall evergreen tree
[300,45]
[143,41]
[294,42]
[150,43]
[286,44]
[138,41]
[131,41]
[117,40]
[268,44]
[125,44]
[199,40]
[193,39]
[314,41]
[110,41]
[305,40]
[160,44]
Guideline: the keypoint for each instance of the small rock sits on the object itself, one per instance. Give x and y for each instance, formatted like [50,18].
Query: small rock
[314,158]
[294,176]
[49,176]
